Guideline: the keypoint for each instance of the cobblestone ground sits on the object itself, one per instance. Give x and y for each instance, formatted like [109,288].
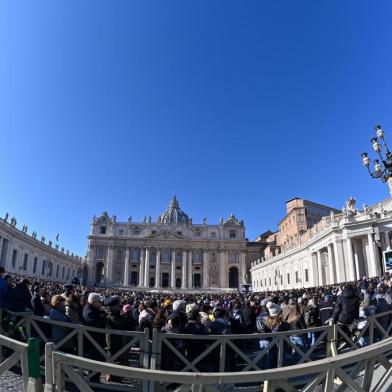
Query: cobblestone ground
[11,382]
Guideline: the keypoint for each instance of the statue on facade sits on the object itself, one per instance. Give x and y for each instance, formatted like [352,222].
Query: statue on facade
[57,246]
[50,243]
[349,209]
[13,221]
[129,219]
[332,215]
[62,250]
[149,219]
[42,238]
[221,221]
[114,219]
[381,207]
[204,221]
[34,234]
[365,209]
[6,217]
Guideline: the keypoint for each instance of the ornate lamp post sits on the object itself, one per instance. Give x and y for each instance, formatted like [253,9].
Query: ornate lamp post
[382,167]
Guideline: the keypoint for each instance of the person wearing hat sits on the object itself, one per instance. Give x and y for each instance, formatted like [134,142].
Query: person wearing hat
[68,290]
[95,316]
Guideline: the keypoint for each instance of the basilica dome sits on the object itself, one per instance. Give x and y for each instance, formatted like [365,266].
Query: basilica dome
[173,215]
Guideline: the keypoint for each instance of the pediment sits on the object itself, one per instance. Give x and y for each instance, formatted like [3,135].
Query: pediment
[166,235]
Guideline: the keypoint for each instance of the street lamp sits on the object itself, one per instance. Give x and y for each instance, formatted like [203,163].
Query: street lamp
[382,167]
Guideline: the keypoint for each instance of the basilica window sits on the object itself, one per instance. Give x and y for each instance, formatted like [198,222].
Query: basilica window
[288,278]
[57,271]
[43,267]
[233,257]
[136,231]
[26,257]
[296,277]
[306,275]
[197,233]
[14,254]
[103,229]
[100,252]
[35,265]
[121,232]
[197,256]
[135,254]
[166,256]
[213,235]
[232,234]
[178,257]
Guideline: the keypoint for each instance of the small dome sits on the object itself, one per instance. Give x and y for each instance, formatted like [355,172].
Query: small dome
[173,215]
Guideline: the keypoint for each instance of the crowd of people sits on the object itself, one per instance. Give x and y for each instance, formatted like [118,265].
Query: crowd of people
[347,305]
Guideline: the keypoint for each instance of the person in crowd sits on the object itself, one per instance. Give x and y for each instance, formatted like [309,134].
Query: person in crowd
[346,310]
[94,316]
[59,332]
[147,316]
[296,322]
[179,312]
[19,299]
[312,319]
[72,308]
[383,304]
[115,342]
[36,301]
[4,288]
[205,315]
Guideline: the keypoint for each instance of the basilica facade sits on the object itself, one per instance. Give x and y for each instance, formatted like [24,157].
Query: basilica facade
[171,252]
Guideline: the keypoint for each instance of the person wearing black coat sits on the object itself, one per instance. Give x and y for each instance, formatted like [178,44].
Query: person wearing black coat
[346,309]
[94,316]
[19,299]
[36,302]
[326,310]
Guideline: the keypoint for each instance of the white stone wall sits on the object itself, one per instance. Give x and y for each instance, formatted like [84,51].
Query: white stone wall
[340,248]
[14,241]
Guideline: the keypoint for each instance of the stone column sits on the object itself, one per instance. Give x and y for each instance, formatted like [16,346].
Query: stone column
[339,262]
[158,269]
[319,268]
[147,268]
[173,270]
[90,263]
[109,265]
[357,262]
[350,260]
[387,242]
[372,256]
[141,267]
[190,280]
[243,268]
[331,264]
[183,269]
[222,268]
[126,269]
[205,269]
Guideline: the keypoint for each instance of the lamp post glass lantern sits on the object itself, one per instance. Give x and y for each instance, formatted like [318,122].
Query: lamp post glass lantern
[382,168]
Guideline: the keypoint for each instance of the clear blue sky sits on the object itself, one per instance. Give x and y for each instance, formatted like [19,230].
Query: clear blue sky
[234,106]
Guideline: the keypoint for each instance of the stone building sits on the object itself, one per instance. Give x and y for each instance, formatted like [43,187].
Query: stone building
[341,247]
[23,253]
[172,252]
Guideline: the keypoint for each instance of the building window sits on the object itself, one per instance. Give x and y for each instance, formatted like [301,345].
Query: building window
[35,265]
[100,252]
[63,272]
[43,267]
[136,231]
[233,257]
[197,256]
[281,279]
[288,278]
[306,275]
[213,235]
[197,233]
[270,281]
[121,232]
[57,271]
[166,256]
[68,273]
[179,232]
[232,233]
[296,277]
[103,229]
[153,231]
[14,254]
[26,258]
[135,254]
[178,267]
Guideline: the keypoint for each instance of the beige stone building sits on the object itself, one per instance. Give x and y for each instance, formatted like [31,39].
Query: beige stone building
[171,252]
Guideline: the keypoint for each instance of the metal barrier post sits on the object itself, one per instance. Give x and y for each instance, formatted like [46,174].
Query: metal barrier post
[35,383]
[49,381]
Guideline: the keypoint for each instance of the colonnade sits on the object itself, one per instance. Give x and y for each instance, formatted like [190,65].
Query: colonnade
[348,259]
